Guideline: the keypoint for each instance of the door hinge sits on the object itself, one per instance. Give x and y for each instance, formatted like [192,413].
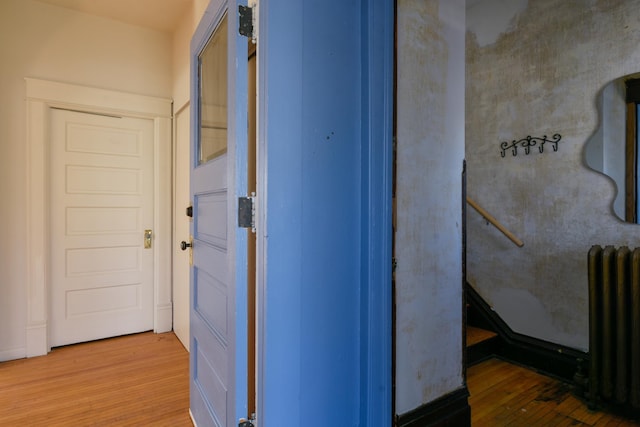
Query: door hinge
[247,212]
[247,422]
[247,22]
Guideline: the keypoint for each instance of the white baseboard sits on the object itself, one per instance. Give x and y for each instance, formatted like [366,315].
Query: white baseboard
[192,420]
[164,318]
[12,354]
[37,340]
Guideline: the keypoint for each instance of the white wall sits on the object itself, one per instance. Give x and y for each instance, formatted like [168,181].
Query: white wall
[181,41]
[47,42]
[430,153]
[540,73]
[181,146]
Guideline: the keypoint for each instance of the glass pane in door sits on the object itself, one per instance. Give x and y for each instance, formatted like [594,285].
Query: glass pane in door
[212,73]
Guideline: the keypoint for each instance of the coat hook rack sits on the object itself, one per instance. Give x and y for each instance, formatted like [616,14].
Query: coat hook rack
[528,142]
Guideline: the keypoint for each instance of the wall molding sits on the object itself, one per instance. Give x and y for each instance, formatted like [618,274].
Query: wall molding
[549,358]
[450,410]
[41,96]
[163,317]
[11,354]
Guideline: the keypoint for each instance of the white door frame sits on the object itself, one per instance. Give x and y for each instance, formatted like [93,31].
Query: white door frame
[180,283]
[41,96]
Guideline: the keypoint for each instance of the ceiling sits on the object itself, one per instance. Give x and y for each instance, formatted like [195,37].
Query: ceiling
[161,15]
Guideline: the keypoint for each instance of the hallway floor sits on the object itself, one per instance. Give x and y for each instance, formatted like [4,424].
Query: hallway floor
[503,394]
[143,379]
[140,379]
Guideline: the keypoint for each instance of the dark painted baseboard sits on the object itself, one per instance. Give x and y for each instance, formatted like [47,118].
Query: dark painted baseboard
[549,358]
[451,410]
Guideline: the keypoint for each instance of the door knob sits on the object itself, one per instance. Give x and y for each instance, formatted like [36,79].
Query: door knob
[184,245]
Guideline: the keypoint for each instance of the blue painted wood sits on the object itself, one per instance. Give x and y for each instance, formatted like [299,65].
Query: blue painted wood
[377,125]
[218,314]
[326,79]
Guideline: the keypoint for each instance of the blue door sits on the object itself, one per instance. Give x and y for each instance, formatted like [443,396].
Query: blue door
[325,75]
[218,369]
[325,102]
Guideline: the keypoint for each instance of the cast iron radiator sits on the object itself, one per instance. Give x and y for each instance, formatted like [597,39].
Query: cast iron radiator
[614,326]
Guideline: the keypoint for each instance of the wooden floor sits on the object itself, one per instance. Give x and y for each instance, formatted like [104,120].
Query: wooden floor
[136,380]
[506,395]
[143,380]
[477,335]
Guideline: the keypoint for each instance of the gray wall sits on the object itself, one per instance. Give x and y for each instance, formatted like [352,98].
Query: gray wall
[430,152]
[536,68]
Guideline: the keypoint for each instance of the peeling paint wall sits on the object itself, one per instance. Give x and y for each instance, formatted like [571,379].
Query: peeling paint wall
[542,75]
[490,18]
[430,152]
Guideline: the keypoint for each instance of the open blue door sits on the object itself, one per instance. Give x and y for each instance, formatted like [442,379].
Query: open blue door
[325,75]
[218,313]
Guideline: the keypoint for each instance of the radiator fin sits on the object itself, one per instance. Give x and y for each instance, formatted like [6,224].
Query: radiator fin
[614,325]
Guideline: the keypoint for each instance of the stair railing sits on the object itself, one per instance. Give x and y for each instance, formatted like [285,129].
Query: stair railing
[486,215]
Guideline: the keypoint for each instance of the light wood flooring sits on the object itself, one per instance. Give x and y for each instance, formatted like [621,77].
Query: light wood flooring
[139,380]
[142,380]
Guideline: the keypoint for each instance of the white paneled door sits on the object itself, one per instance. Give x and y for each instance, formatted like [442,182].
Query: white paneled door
[101,198]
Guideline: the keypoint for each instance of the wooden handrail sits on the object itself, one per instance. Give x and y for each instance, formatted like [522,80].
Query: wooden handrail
[495,222]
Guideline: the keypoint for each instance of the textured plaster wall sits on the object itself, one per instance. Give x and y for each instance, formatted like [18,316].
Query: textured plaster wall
[47,42]
[430,152]
[542,74]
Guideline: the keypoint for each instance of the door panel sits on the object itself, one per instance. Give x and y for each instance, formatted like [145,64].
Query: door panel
[101,203]
[218,177]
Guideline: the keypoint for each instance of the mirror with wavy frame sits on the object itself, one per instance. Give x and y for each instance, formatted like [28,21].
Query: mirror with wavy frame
[613,148]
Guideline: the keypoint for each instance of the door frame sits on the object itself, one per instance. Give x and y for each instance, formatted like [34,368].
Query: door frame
[41,96]
[178,214]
